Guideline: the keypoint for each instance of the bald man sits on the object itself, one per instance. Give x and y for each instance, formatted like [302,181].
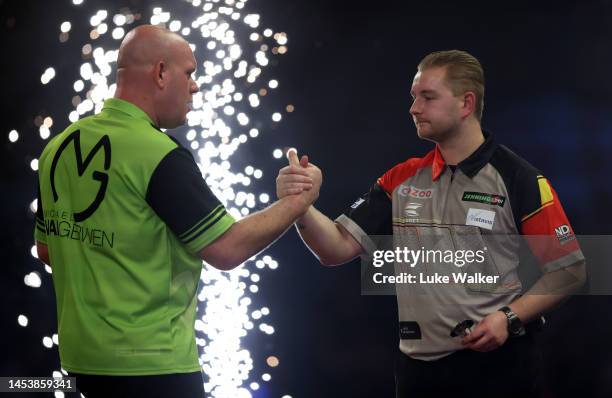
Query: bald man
[125,220]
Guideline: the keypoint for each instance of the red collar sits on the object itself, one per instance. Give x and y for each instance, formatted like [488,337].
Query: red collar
[438,164]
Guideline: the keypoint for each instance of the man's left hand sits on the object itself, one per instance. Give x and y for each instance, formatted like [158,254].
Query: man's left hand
[489,334]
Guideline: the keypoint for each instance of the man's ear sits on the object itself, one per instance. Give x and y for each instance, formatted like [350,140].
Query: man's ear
[159,74]
[469,104]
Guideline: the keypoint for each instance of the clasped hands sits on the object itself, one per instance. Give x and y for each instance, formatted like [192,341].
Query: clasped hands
[300,178]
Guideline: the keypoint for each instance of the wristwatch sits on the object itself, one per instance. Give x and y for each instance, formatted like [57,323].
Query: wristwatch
[515,325]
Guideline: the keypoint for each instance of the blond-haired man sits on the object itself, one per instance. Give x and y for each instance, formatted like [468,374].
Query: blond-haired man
[467,184]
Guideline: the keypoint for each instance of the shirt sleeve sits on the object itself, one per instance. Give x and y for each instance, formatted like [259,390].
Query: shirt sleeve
[369,215]
[40,230]
[180,197]
[548,231]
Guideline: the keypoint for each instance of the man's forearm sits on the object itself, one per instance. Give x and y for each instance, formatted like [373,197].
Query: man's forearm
[253,233]
[549,291]
[329,242]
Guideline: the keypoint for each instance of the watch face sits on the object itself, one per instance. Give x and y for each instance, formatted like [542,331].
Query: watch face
[515,327]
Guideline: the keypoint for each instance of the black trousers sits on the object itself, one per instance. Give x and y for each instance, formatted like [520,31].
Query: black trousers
[179,385]
[513,370]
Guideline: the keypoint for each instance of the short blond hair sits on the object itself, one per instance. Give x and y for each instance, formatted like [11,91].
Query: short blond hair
[463,73]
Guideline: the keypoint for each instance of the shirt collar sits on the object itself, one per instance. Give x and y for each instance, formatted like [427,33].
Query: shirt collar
[128,108]
[438,164]
[472,164]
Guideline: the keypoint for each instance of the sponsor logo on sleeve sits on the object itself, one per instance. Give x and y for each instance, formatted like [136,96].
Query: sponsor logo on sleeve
[414,192]
[481,218]
[357,203]
[486,198]
[564,234]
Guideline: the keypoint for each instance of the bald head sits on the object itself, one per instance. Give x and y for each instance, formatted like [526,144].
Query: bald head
[154,72]
[146,45]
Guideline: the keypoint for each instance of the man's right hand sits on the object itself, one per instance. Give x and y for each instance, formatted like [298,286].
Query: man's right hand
[299,178]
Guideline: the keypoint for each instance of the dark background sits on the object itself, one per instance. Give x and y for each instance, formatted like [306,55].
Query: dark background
[348,73]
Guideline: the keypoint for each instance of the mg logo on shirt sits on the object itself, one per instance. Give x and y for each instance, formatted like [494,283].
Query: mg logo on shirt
[81,165]
[414,192]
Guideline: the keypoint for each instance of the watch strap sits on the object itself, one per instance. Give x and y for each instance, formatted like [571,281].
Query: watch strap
[515,325]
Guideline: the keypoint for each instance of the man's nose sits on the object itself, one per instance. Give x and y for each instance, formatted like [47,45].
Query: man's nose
[194,88]
[415,108]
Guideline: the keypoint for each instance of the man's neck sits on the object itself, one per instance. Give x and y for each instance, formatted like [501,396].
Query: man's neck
[138,99]
[460,145]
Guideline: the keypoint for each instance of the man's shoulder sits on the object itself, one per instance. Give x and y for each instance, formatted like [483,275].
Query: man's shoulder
[527,188]
[404,170]
[55,141]
[508,163]
[410,166]
[131,128]
[122,130]
[129,141]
